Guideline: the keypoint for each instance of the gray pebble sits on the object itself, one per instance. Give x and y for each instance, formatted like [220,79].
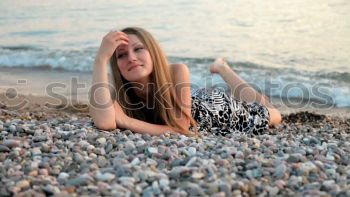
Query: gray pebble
[4,148]
[40,138]
[280,170]
[80,181]
[105,176]
[12,129]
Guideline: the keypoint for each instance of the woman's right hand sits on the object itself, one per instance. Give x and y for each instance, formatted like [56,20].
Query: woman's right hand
[110,43]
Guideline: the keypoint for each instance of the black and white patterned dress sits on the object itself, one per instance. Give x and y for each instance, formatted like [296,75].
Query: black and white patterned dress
[218,113]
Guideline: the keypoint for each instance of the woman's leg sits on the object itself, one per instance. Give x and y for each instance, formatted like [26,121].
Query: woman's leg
[241,90]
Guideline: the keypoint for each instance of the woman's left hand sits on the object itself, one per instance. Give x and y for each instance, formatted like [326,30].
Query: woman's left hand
[120,117]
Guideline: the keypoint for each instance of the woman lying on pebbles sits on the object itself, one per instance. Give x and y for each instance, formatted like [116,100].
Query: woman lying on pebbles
[152,96]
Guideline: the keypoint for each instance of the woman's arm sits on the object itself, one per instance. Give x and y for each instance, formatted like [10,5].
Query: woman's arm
[139,126]
[181,77]
[101,106]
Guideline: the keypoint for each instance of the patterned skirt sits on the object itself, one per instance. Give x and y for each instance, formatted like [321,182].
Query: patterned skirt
[218,113]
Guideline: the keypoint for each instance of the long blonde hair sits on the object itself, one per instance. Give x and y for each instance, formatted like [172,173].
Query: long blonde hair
[165,100]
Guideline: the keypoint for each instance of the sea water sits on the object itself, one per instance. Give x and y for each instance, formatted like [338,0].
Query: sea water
[286,49]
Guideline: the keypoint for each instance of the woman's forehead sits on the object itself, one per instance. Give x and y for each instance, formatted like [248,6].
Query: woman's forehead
[133,40]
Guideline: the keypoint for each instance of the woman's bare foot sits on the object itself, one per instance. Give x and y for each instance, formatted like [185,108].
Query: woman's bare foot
[218,64]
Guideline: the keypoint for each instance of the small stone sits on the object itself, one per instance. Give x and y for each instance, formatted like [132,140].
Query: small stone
[36,151]
[220,194]
[198,175]
[140,143]
[273,191]
[163,183]
[63,175]
[102,161]
[192,151]
[50,189]
[40,138]
[101,140]
[213,188]
[152,150]
[268,143]
[226,188]
[78,158]
[33,173]
[11,143]
[306,141]
[23,184]
[78,181]
[280,170]
[294,158]
[175,194]
[254,173]
[129,145]
[12,129]
[4,148]
[135,161]
[127,181]
[328,183]
[236,193]
[193,189]
[105,176]
[179,171]
[44,172]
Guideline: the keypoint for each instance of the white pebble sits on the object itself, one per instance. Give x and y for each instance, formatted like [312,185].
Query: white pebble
[163,183]
[135,161]
[192,151]
[152,150]
[101,140]
[63,175]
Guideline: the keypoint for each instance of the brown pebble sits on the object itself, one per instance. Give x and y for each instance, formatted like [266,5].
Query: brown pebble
[245,188]
[23,184]
[252,190]
[70,189]
[236,193]
[220,194]
[33,173]
[44,172]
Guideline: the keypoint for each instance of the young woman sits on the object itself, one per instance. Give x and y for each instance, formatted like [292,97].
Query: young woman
[152,96]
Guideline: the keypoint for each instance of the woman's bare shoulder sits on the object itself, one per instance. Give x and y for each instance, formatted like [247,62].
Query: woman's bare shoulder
[180,73]
[178,67]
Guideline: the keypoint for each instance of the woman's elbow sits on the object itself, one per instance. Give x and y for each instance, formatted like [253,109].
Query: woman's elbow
[105,126]
[275,117]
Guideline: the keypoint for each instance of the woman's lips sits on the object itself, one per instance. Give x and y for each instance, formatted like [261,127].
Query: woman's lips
[133,67]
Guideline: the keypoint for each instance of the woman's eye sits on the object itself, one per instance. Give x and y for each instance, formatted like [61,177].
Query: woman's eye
[121,55]
[138,48]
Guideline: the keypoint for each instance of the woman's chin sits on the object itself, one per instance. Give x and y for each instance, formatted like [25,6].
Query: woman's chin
[136,78]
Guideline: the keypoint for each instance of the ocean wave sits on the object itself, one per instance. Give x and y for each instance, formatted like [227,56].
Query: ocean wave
[330,87]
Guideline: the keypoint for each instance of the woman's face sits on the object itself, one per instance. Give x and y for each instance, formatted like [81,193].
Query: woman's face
[134,60]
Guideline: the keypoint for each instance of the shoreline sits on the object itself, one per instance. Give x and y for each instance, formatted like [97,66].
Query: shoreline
[20,102]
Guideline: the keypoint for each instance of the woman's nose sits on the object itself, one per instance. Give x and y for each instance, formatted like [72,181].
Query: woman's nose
[131,57]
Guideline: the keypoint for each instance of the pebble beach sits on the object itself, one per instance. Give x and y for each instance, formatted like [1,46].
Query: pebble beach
[59,152]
